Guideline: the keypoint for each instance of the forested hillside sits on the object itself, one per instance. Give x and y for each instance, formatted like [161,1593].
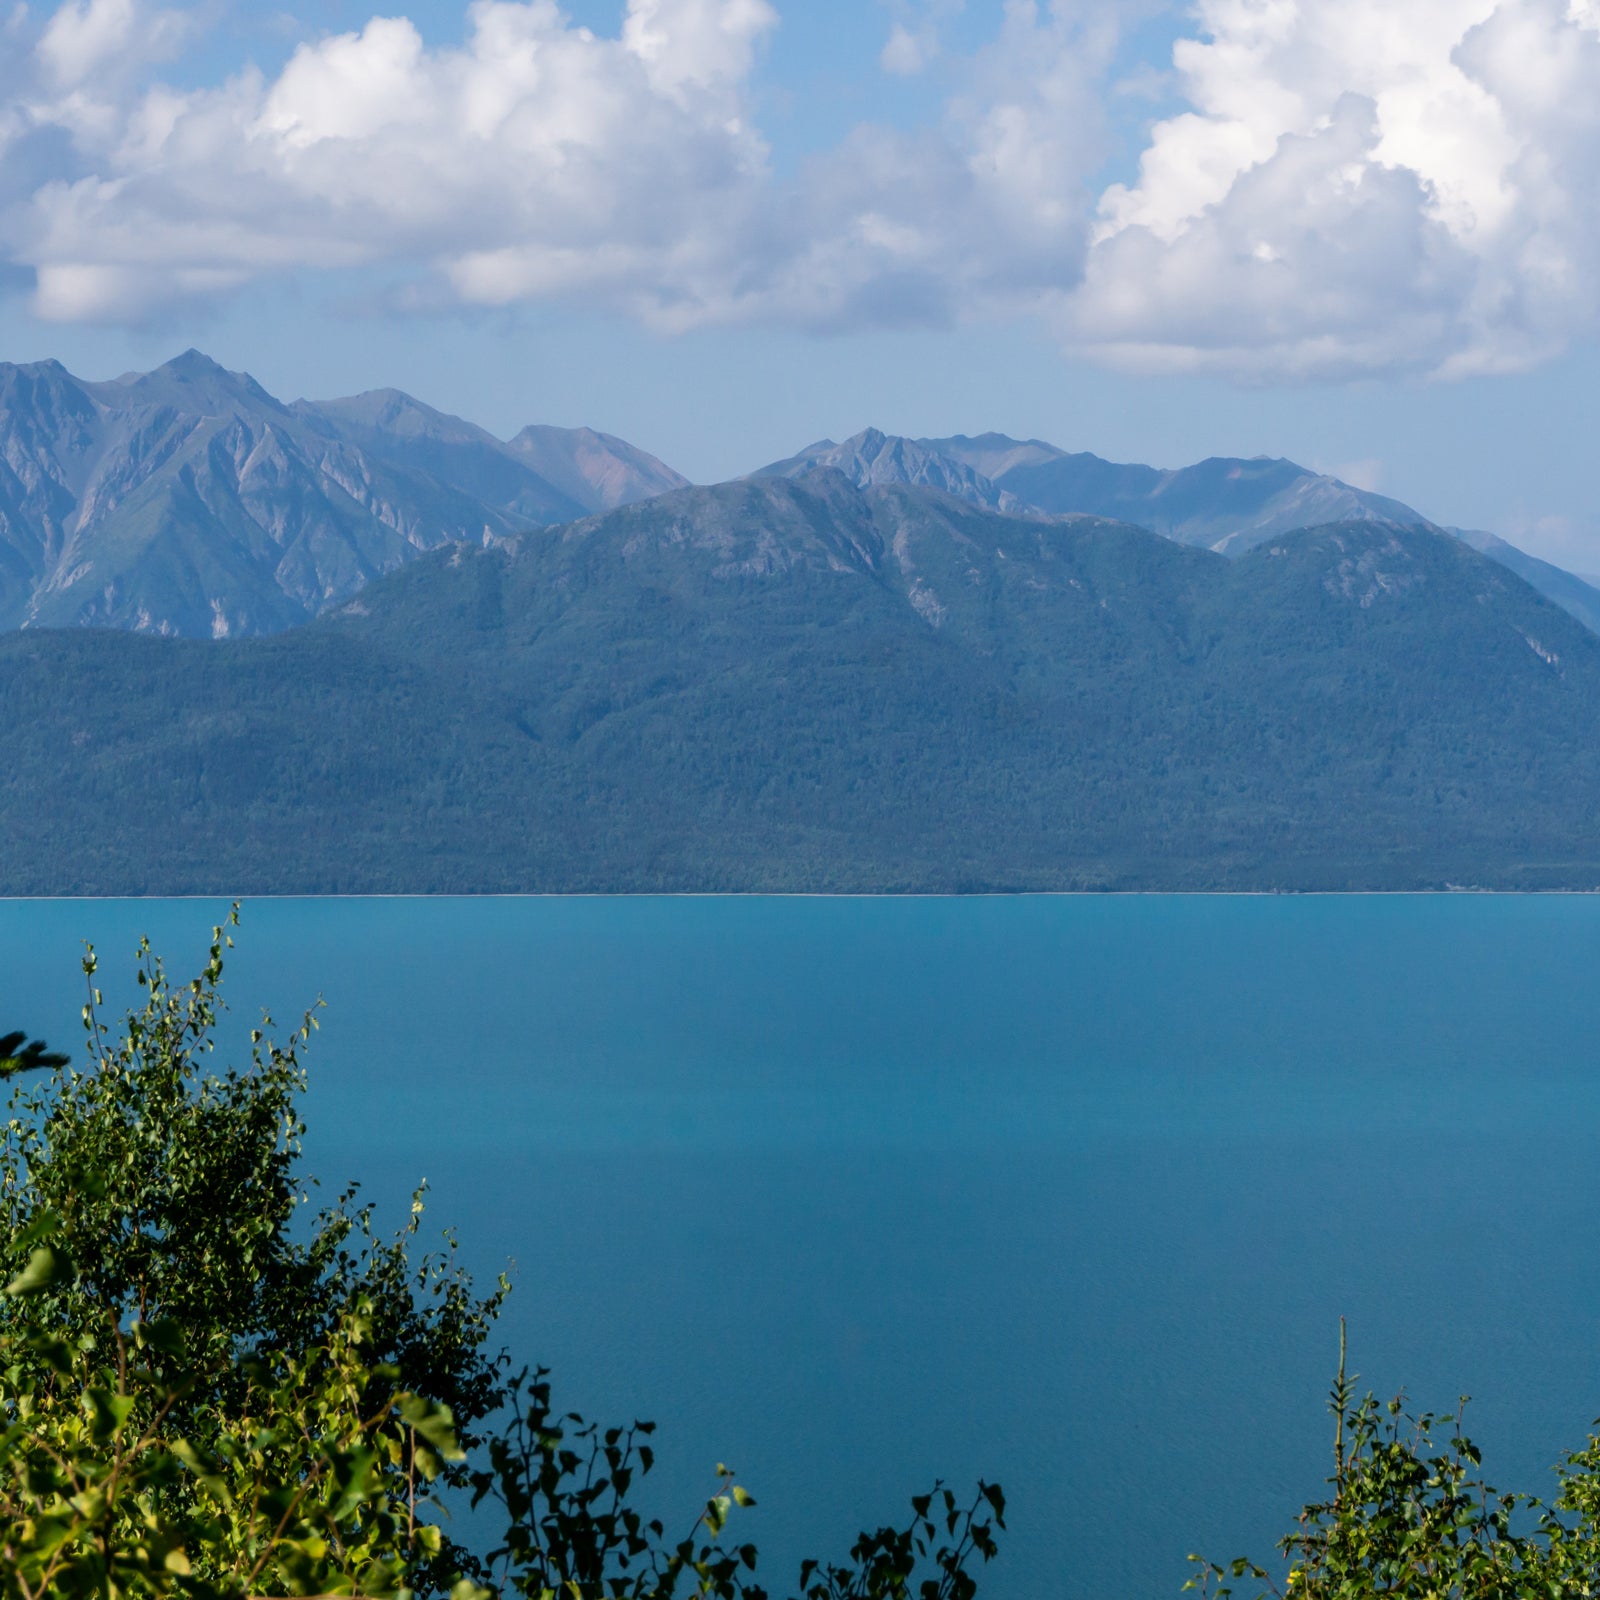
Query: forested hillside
[803,685]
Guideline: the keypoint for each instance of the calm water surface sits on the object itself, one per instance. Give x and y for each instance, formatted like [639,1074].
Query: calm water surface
[1069,1192]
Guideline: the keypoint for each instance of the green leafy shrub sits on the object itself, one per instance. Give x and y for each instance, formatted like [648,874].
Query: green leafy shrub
[208,1391]
[1412,1516]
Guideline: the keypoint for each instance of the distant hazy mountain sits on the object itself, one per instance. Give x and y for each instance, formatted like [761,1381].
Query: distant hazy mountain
[799,684]
[1226,504]
[1222,504]
[597,471]
[543,474]
[190,501]
[1573,594]
[394,428]
[872,458]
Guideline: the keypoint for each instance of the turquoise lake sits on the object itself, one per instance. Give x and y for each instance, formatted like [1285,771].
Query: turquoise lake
[1068,1192]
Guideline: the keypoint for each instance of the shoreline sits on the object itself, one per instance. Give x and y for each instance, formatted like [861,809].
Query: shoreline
[819,894]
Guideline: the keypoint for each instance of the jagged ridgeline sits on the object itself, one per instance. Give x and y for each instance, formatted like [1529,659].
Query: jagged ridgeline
[798,683]
[188,501]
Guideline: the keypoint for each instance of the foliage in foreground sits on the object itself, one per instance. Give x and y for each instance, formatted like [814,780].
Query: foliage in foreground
[198,1399]
[1412,1516]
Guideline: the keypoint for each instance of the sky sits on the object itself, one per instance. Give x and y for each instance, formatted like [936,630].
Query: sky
[1362,234]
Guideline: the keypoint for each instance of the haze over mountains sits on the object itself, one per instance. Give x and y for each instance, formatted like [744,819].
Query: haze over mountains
[190,502]
[359,645]
[802,685]
[1223,504]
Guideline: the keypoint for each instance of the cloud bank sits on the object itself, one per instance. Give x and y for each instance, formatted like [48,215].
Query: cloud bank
[1350,186]
[1359,186]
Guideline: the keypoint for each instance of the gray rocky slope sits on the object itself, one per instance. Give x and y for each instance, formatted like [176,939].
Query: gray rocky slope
[1226,503]
[189,501]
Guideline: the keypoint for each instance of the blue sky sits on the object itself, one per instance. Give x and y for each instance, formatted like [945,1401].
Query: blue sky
[1359,235]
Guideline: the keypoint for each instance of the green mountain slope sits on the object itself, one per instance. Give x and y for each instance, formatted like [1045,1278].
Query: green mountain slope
[802,685]
[1573,594]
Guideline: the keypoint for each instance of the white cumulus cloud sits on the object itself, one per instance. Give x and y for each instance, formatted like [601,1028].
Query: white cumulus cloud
[1345,186]
[1358,186]
[907,51]
[540,159]
[534,158]
[89,37]
[915,39]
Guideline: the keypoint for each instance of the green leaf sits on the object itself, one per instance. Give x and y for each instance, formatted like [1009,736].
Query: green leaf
[165,1335]
[16,1055]
[45,1223]
[108,1412]
[46,1269]
[203,1467]
[433,1423]
[56,1353]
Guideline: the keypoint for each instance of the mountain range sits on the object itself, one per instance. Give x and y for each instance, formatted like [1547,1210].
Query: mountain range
[1222,504]
[360,645]
[1226,503]
[801,684]
[188,501]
